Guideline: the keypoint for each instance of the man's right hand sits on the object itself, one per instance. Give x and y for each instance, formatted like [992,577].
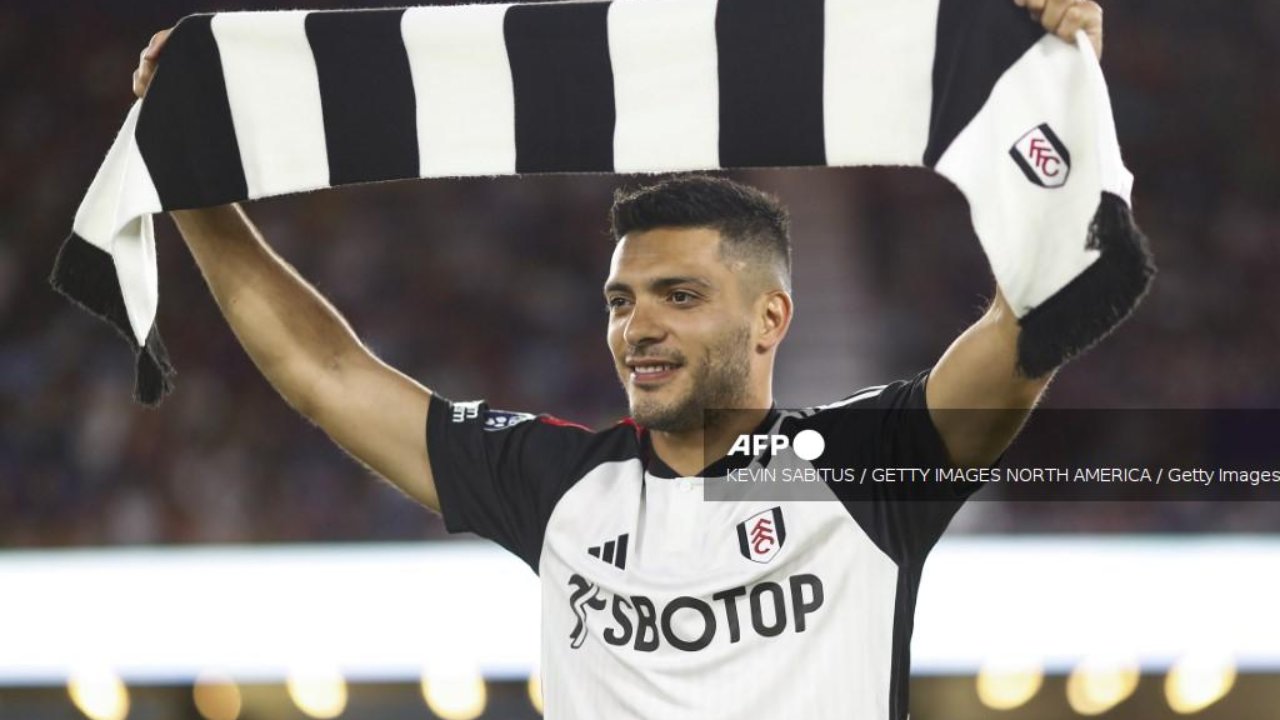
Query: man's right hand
[147,63]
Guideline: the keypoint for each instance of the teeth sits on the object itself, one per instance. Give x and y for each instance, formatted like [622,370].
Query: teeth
[650,369]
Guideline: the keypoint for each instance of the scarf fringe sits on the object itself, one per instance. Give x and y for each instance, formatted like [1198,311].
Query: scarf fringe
[85,275]
[1093,304]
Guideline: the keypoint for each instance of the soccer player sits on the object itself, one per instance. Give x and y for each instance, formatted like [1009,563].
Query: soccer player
[656,603]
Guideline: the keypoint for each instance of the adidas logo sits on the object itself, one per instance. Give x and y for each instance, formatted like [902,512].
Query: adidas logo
[613,552]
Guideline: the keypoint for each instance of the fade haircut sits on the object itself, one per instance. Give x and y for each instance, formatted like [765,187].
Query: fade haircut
[754,226]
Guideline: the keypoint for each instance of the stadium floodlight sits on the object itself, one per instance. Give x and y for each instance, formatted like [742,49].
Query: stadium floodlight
[318,692]
[1099,683]
[99,693]
[455,695]
[217,697]
[1010,682]
[1199,680]
[535,691]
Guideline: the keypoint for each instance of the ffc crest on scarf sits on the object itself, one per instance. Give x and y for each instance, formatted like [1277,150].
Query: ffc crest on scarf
[255,104]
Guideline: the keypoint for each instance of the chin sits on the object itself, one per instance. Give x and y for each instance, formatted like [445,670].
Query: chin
[666,417]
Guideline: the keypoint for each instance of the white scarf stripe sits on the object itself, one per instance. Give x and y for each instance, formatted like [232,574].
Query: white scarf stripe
[666,87]
[111,203]
[462,87]
[876,97]
[274,93]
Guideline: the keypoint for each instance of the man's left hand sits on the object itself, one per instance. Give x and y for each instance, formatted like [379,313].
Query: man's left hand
[1064,17]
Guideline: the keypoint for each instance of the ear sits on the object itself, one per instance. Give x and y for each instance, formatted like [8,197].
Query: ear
[773,318]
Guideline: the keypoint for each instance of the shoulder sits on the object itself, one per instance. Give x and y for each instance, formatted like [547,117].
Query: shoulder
[550,436]
[878,425]
[904,394]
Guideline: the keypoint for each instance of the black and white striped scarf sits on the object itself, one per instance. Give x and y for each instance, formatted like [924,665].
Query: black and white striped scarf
[251,105]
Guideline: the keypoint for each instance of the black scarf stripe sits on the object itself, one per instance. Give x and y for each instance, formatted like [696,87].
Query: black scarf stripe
[968,63]
[771,97]
[366,91]
[191,169]
[563,82]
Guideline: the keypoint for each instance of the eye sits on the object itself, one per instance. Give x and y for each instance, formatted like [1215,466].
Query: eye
[682,297]
[614,303]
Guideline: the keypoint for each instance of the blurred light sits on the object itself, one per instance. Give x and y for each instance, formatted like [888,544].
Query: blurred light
[282,615]
[1199,680]
[216,697]
[319,693]
[535,691]
[99,694]
[1009,683]
[1098,684]
[454,695]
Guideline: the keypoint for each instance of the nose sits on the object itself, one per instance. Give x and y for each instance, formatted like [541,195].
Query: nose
[643,326]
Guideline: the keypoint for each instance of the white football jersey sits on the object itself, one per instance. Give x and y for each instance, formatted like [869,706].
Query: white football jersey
[659,603]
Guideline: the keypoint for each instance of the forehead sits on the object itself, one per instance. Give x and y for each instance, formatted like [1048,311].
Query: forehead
[665,251]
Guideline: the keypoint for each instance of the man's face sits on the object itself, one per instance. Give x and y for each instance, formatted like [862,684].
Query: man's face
[679,327]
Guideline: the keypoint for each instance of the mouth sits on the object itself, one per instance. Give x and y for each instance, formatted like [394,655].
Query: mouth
[652,374]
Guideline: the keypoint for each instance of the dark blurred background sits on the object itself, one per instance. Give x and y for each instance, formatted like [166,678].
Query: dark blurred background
[491,288]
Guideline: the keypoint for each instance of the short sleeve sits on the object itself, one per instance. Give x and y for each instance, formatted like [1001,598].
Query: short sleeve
[499,474]
[889,427]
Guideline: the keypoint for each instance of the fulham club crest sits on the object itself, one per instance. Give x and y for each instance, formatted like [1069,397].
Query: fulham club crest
[760,536]
[1042,157]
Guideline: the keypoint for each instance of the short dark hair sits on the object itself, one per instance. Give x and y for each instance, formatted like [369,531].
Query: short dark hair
[753,224]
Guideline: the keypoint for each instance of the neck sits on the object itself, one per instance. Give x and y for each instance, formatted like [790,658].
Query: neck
[689,452]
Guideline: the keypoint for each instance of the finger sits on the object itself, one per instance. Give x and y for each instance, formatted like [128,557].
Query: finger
[152,51]
[1054,13]
[1092,25]
[1090,16]
[1086,16]
[145,68]
[1072,20]
[156,44]
[1035,8]
[142,81]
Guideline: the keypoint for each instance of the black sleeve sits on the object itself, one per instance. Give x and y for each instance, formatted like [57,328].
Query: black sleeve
[499,474]
[890,427]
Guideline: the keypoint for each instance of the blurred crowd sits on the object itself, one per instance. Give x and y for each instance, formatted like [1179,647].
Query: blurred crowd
[491,288]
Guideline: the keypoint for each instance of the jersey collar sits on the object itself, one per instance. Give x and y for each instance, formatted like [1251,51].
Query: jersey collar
[655,465]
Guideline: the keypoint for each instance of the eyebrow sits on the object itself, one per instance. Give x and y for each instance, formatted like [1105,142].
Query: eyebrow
[660,284]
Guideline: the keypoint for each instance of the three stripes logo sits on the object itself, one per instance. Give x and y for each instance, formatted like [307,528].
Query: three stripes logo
[1042,157]
[613,552]
[761,536]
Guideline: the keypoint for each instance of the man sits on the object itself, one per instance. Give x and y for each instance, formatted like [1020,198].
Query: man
[657,603]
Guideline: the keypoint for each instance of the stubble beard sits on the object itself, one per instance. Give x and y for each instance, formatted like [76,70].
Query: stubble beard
[719,383]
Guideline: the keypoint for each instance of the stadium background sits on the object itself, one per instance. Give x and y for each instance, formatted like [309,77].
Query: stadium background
[491,288]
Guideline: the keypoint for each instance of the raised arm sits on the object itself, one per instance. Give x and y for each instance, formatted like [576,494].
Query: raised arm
[979,370]
[303,346]
[979,373]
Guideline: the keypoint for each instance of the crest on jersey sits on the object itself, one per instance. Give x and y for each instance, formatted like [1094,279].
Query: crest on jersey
[1042,157]
[761,536]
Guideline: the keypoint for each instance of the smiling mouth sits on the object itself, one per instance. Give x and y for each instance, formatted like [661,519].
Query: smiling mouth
[650,375]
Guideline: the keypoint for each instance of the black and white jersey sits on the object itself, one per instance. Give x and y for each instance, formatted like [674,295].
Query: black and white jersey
[657,603]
